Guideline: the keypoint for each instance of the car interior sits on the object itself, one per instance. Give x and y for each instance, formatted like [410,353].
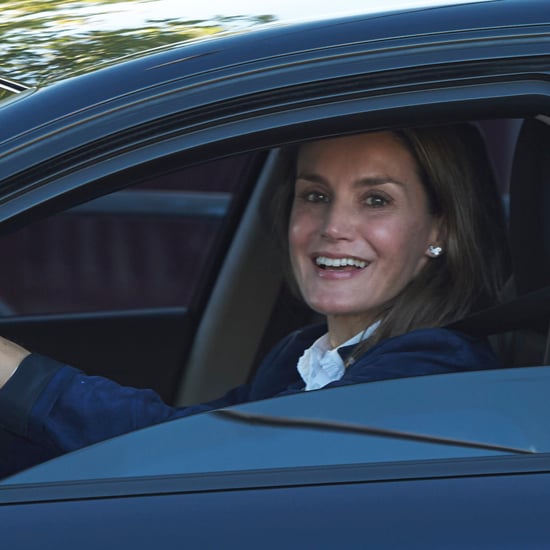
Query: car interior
[529,242]
[519,150]
[240,302]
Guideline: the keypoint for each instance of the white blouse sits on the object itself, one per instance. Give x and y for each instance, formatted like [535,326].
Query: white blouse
[320,365]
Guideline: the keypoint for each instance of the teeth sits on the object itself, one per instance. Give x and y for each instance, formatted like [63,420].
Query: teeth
[323,261]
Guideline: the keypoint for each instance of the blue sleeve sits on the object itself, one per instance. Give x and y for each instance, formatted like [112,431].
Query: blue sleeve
[49,408]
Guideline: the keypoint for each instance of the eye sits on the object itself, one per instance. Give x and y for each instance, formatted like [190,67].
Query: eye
[314,196]
[376,200]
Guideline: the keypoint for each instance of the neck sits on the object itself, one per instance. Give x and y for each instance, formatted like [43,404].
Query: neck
[341,328]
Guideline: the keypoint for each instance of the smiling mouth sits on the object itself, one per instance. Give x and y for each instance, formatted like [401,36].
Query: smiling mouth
[339,263]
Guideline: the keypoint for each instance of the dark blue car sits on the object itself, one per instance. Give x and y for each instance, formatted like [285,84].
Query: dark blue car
[132,208]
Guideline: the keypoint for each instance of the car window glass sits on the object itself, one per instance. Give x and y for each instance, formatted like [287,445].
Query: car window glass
[145,246]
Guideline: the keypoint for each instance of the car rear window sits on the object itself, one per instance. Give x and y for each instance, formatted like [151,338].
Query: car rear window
[146,246]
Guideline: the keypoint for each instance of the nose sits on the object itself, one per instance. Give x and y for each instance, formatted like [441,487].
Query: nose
[339,222]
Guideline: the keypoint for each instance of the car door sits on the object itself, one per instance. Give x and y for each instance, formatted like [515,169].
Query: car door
[345,466]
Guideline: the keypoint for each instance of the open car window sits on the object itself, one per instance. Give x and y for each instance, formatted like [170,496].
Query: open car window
[156,245]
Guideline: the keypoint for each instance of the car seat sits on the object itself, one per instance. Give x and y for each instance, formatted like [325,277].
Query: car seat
[527,291]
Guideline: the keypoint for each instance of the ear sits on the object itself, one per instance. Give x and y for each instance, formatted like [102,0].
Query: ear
[437,238]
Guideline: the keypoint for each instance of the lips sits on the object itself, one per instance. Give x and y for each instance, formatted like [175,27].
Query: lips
[343,262]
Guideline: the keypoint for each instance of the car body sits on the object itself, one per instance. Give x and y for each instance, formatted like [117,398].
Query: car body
[132,208]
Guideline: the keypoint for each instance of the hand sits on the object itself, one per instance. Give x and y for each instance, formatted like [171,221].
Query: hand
[11,356]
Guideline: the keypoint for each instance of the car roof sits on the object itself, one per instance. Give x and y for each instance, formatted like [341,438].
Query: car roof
[265,47]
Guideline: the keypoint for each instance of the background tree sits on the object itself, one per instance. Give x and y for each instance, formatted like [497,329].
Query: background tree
[49,38]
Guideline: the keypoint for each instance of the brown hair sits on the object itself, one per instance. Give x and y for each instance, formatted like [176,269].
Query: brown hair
[456,173]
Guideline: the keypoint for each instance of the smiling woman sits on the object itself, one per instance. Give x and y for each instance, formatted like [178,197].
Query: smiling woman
[390,235]
[404,228]
[361,228]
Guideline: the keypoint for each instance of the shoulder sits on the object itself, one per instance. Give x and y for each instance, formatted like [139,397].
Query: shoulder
[422,352]
[437,339]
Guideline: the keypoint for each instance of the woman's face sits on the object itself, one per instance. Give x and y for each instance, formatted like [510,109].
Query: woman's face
[359,227]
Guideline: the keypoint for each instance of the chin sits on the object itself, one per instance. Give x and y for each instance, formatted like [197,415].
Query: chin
[336,310]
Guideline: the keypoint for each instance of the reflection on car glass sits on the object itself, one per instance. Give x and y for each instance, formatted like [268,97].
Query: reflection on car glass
[347,427]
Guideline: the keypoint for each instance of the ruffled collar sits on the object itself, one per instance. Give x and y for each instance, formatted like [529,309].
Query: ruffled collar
[320,364]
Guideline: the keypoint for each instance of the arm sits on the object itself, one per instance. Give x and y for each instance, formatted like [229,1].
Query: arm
[54,408]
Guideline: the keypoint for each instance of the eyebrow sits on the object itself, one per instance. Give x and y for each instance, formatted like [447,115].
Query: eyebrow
[362,182]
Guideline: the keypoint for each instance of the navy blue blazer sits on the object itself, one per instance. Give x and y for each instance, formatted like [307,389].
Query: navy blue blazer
[48,408]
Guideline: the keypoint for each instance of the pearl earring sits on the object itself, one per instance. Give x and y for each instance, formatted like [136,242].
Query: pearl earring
[434,251]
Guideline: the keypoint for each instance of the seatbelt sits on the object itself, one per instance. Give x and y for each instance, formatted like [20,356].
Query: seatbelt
[522,312]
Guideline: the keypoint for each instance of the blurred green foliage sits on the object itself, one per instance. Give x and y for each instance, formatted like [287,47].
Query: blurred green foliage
[50,38]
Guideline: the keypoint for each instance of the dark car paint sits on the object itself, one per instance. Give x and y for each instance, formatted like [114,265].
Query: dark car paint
[434,495]
[187,93]
[454,512]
